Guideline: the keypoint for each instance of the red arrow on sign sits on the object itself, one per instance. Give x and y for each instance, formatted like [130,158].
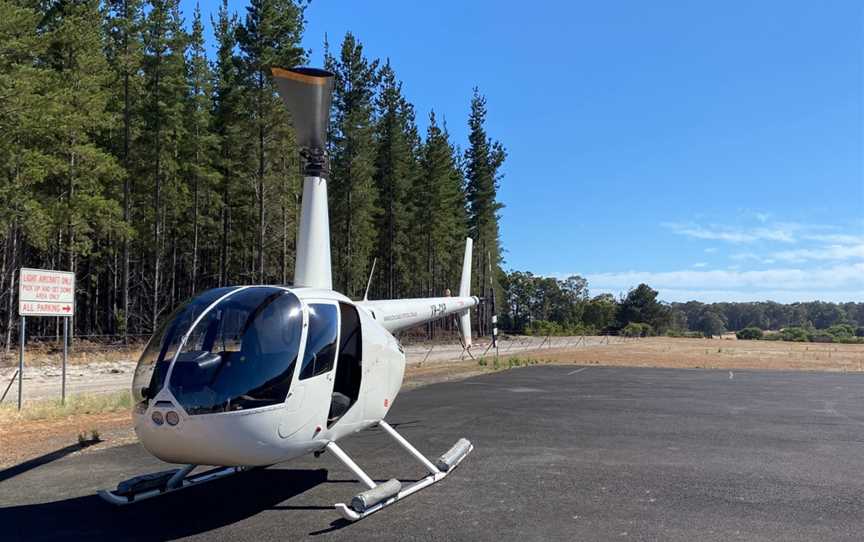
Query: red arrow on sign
[67,308]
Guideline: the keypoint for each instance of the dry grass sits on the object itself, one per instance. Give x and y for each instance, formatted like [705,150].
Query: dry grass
[81,352]
[717,354]
[76,405]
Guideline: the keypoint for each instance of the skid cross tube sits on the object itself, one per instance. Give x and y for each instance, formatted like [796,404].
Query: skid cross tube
[352,466]
[435,474]
[408,448]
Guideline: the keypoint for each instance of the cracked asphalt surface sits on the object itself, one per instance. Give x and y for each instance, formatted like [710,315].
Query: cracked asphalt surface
[560,454]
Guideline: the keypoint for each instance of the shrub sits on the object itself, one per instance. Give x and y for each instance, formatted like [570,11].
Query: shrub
[797,334]
[545,328]
[636,329]
[751,333]
[841,331]
[820,337]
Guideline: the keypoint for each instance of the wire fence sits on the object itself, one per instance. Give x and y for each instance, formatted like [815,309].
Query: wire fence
[423,352]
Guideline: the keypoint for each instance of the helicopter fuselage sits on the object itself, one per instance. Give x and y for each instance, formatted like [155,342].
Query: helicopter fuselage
[344,372]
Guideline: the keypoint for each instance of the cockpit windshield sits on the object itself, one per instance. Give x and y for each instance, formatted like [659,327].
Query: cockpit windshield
[241,354]
[157,356]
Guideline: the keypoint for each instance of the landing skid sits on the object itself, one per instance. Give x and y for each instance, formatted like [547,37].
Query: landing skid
[148,486]
[380,495]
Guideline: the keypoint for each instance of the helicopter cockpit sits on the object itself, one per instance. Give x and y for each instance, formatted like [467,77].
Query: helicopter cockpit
[228,349]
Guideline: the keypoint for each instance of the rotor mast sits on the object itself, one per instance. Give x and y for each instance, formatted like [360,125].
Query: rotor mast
[306,93]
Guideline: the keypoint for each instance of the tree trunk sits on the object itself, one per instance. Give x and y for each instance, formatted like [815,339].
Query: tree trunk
[157,205]
[194,278]
[124,322]
[261,169]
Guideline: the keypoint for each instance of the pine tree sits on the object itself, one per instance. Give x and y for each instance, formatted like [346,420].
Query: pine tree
[227,122]
[80,172]
[483,159]
[24,164]
[352,195]
[439,219]
[270,36]
[200,147]
[123,51]
[163,112]
[397,145]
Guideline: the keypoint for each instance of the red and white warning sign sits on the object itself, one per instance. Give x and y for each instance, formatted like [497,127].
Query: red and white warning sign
[42,292]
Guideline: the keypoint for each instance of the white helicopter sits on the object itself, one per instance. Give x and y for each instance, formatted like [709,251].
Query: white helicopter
[250,376]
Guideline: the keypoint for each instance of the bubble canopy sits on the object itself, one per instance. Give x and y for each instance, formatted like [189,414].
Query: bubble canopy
[228,349]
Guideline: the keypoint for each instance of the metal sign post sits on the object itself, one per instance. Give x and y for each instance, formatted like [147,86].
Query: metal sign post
[44,292]
[65,355]
[21,361]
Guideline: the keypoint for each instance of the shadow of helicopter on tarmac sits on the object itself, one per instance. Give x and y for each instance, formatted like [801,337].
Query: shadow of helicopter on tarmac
[193,511]
[189,512]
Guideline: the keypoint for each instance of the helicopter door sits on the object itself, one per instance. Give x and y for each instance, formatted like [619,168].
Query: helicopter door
[319,357]
[346,386]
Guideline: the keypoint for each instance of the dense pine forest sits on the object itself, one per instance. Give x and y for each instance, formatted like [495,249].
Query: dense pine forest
[155,170]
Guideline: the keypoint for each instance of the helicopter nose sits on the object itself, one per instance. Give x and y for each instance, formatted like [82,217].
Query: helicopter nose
[227,439]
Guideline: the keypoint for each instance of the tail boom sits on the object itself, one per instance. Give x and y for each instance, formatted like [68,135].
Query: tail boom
[398,314]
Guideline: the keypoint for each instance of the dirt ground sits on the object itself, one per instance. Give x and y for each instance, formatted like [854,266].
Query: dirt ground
[29,440]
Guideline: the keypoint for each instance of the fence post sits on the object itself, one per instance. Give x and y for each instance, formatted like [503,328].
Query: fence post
[427,354]
[9,386]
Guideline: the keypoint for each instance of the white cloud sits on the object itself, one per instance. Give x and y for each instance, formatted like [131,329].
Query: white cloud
[780,232]
[700,264]
[840,282]
[837,238]
[711,250]
[827,253]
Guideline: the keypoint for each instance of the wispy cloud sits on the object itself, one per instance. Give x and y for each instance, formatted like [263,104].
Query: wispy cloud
[837,238]
[822,254]
[784,233]
[700,265]
[840,283]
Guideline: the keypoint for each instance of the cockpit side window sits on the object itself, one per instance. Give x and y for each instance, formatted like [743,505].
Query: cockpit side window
[321,340]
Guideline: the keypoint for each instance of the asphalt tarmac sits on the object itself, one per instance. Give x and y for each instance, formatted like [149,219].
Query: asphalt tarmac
[561,453]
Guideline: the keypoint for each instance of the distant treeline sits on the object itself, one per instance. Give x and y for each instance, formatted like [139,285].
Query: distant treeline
[545,305]
[155,171]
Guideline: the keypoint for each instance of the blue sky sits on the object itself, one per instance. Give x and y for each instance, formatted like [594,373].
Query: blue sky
[713,150]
